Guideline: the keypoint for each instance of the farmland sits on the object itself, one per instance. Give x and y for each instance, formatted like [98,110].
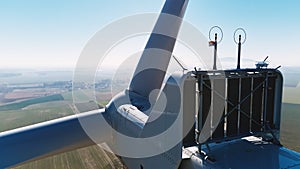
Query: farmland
[25,103]
[92,157]
[290,120]
[33,114]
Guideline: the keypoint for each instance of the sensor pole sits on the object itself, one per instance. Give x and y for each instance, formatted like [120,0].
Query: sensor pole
[215,52]
[239,53]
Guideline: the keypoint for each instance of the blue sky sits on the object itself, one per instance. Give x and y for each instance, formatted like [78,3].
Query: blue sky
[52,33]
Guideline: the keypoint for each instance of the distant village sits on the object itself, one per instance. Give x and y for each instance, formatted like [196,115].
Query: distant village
[16,92]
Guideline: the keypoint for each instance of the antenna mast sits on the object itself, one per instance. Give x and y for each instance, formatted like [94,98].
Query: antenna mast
[239,44]
[215,42]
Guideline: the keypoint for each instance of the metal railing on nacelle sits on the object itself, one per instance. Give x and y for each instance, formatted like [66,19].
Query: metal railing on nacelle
[237,103]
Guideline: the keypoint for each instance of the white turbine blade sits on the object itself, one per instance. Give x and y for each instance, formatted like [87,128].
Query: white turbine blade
[49,138]
[153,64]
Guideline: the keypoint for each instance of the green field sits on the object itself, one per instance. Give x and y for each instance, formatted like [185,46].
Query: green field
[22,104]
[290,118]
[291,95]
[33,114]
[290,121]
[92,157]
